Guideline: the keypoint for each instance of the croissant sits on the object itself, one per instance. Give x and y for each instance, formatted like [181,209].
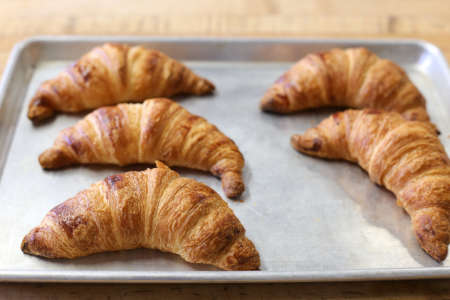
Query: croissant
[111,74]
[158,129]
[353,77]
[404,156]
[154,209]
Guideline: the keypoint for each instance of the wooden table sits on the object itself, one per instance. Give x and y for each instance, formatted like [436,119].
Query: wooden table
[428,20]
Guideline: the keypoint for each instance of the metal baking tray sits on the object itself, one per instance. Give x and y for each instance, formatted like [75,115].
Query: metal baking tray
[310,219]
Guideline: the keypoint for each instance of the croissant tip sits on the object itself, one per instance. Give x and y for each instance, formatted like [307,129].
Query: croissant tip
[295,139]
[54,159]
[243,256]
[274,104]
[442,256]
[24,245]
[267,104]
[232,184]
[435,248]
[430,226]
[309,144]
[205,87]
[438,251]
[34,243]
[211,86]
[39,110]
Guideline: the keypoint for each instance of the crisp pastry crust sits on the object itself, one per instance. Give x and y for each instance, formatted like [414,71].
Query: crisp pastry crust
[111,74]
[404,156]
[353,77]
[158,129]
[154,209]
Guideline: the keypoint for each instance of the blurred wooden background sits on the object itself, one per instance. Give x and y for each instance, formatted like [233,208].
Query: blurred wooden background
[419,19]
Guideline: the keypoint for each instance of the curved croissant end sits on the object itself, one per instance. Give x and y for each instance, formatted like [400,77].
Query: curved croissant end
[112,74]
[232,184]
[353,77]
[153,209]
[431,226]
[40,109]
[158,129]
[55,159]
[311,143]
[201,87]
[404,156]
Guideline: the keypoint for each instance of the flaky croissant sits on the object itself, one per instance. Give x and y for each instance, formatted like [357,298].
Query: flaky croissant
[111,74]
[154,209]
[353,77]
[158,129]
[404,156]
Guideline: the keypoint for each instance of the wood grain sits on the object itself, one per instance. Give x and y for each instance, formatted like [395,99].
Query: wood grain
[399,290]
[428,20]
[418,19]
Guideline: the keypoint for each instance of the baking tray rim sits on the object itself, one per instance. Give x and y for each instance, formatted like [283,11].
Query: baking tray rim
[214,276]
[223,276]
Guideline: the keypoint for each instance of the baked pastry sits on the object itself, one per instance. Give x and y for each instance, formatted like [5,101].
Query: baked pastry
[111,74]
[404,156]
[154,209]
[158,129]
[353,77]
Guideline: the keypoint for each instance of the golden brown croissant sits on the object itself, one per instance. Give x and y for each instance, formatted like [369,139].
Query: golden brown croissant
[404,156]
[158,129]
[154,209]
[353,77]
[112,74]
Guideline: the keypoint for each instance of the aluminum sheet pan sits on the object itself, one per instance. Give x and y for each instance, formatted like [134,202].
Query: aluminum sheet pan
[310,219]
